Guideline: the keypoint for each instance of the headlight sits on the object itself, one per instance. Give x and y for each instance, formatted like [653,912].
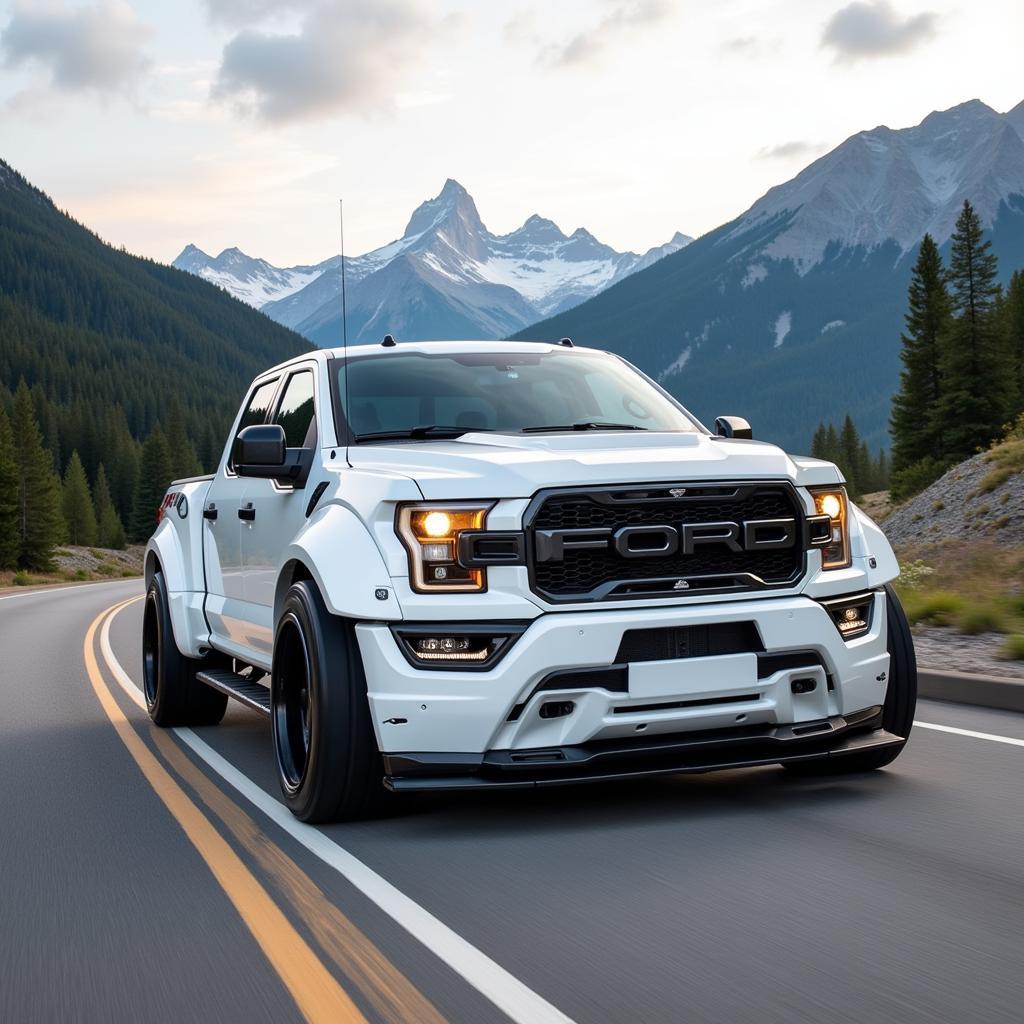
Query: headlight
[831,502]
[430,534]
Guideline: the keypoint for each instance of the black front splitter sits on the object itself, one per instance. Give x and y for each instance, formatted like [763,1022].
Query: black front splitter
[680,753]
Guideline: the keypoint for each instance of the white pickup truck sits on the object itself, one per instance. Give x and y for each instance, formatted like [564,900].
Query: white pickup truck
[456,565]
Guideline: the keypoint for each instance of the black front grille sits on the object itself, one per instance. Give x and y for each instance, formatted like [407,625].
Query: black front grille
[603,574]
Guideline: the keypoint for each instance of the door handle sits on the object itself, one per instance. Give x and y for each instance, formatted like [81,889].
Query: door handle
[210,513]
[248,512]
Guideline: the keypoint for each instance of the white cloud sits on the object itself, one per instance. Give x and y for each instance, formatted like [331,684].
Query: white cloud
[249,12]
[96,48]
[350,57]
[589,45]
[875,29]
[792,149]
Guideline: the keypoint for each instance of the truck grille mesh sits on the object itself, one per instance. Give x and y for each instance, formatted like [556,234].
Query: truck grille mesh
[603,574]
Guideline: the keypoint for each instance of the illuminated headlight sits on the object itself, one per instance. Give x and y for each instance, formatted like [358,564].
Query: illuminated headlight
[430,534]
[475,646]
[831,502]
[851,615]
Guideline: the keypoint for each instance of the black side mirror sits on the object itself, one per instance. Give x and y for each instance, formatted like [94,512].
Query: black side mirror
[734,426]
[260,446]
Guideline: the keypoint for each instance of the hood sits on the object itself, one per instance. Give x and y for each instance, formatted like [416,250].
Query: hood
[516,466]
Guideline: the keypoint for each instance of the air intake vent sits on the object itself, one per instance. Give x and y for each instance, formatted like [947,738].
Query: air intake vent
[671,642]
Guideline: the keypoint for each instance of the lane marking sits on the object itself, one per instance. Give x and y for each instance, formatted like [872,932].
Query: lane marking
[386,989]
[317,994]
[515,999]
[70,586]
[970,732]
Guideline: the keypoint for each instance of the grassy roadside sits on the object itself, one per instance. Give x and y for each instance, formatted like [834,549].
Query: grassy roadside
[80,565]
[973,587]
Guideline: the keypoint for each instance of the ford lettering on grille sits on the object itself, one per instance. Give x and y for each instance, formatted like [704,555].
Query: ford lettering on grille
[608,544]
[656,541]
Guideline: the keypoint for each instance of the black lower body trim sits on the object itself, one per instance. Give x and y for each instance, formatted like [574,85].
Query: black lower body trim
[711,750]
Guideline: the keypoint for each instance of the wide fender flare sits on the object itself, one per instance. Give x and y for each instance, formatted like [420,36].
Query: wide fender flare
[184,590]
[337,550]
[869,544]
[165,547]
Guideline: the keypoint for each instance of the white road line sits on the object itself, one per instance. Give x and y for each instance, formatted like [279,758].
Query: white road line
[72,586]
[970,732]
[508,993]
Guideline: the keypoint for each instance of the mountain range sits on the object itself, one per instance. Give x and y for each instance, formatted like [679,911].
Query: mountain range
[791,313]
[447,276]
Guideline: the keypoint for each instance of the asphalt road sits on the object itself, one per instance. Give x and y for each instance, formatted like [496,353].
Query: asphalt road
[139,880]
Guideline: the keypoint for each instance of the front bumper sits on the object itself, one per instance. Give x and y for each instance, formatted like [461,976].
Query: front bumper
[833,737]
[499,710]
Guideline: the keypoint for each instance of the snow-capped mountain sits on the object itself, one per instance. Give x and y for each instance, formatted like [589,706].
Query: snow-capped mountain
[447,276]
[792,312]
[254,281]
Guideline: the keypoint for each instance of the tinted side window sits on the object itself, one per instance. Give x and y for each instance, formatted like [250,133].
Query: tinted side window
[296,412]
[259,405]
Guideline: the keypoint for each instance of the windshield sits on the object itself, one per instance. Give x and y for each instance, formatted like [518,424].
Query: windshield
[419,395]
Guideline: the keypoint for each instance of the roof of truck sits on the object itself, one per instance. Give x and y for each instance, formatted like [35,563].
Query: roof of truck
[435,347]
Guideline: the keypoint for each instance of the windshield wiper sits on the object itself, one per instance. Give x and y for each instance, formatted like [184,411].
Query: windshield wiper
[583,426]
[421,433]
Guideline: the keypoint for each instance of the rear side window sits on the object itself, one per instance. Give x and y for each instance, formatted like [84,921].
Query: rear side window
[296,413]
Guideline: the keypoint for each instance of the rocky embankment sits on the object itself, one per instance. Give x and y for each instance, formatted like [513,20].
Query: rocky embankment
[980,498]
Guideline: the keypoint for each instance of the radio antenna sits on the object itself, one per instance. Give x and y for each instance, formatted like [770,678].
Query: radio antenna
[344,308]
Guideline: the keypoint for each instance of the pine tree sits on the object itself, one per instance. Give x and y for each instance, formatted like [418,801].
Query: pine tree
[8,496]
[184,461]
[40,523]
[79,514]
[915,423]
[866,470]
[882,471]
[976,387]
[1013,318]
[109,525]
[832,444]
[819,442]
[849,456]
[154,476]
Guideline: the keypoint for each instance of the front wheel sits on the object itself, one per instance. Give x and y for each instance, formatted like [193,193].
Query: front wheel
[328,763]
[174,696]
[900,701]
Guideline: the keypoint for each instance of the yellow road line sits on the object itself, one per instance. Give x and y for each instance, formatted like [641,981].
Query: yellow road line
[385,988]
[317,994]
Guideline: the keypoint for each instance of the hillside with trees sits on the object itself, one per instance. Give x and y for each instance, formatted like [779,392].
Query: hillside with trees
[99,349]
[963,358]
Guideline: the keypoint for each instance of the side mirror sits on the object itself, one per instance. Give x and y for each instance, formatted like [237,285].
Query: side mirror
[734,426]
[259,447]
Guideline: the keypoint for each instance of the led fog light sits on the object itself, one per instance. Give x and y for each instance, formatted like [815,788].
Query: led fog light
[851,615]
[466,647]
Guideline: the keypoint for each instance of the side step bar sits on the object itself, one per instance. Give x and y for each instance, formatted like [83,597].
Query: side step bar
[253,695]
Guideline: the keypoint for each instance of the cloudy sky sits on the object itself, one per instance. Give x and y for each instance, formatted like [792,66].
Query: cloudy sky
[240,122]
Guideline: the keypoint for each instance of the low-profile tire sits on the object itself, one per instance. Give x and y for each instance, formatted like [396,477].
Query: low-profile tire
[174,696]
[327,759]
[900,701]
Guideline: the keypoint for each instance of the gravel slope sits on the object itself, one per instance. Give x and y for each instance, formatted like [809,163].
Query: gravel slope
[957,505]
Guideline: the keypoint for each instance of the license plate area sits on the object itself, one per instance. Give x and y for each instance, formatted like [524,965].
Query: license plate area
[693,677]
